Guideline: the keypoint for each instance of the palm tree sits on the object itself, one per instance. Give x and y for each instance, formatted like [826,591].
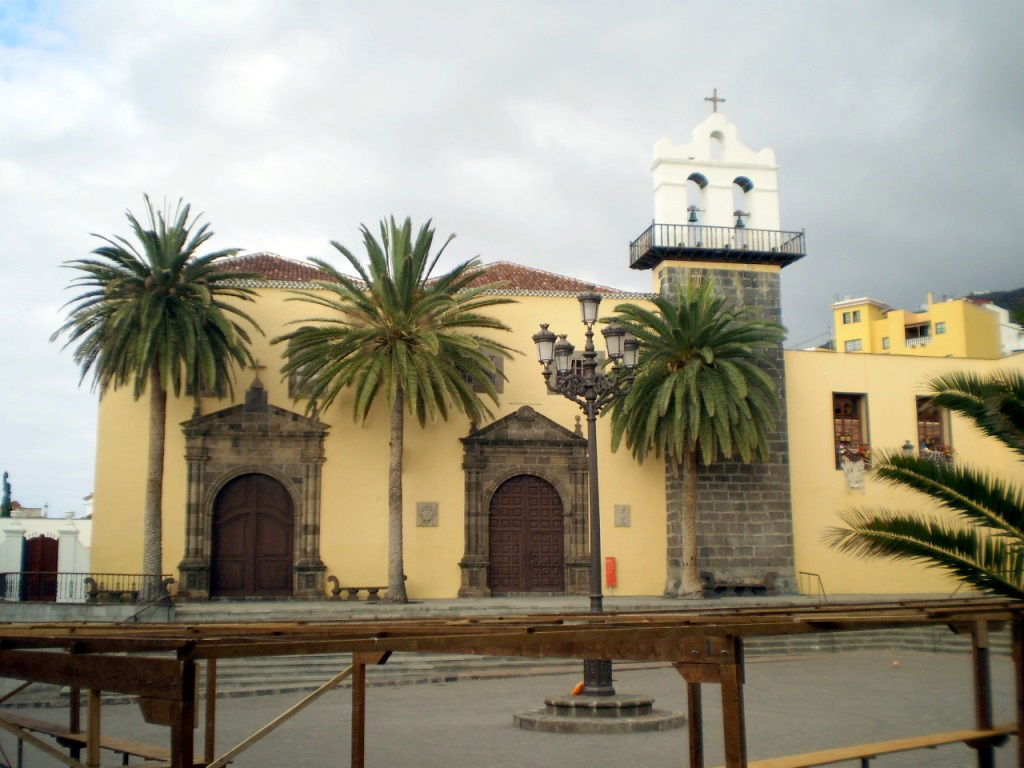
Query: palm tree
[404,335]
[702,393]
[984,547]
[156,315]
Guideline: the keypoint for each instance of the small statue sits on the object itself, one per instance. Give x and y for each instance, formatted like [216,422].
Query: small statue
[5,503]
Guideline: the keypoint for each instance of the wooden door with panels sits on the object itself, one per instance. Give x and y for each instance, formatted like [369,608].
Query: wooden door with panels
[253,534]
[527,550]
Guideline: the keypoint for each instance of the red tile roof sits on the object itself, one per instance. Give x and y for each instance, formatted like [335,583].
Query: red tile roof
[515,278]
[518,278]
[275,268]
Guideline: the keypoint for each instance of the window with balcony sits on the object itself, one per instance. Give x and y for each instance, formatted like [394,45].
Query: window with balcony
[917,335]
[933,431]
[849,417]
[853,345]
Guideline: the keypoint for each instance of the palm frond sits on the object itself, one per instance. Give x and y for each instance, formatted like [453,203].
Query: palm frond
[994,403]
[398,329]
[153,303]
[972,554]
[702,383]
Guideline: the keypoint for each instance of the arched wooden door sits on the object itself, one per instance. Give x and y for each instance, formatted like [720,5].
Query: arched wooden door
[40,569]
[526,537]
[253,524]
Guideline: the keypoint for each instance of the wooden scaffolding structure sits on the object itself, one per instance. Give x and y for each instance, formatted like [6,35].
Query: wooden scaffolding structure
[158,663]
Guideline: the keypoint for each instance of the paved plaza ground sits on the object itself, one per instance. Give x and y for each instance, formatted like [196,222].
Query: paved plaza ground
[794,704]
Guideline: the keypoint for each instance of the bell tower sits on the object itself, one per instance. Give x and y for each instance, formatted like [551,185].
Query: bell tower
[716,217]
[715,201]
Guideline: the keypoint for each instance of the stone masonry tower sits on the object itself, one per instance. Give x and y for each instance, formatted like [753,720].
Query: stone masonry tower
[716,213]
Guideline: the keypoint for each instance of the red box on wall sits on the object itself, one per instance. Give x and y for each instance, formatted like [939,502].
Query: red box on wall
[610,573]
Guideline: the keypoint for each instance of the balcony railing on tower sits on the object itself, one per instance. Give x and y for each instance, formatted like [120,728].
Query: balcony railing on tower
[696,242]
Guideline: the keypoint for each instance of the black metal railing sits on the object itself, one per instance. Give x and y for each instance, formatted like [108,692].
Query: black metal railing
[51,587]
[787,245]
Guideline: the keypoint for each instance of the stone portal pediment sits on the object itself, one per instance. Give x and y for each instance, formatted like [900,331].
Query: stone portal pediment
[524,426]
[250,439]
[255,415]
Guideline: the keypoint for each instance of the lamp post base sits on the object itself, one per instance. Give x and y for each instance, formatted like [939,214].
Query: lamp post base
[597,677]
[619,713]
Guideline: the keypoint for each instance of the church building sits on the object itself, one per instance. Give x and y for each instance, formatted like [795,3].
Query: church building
[263,498]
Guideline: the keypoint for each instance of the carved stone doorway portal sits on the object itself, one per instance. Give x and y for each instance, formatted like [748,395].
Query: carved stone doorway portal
[252,523]
[526,494]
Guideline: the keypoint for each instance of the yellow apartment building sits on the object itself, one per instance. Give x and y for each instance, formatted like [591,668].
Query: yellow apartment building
[950,328]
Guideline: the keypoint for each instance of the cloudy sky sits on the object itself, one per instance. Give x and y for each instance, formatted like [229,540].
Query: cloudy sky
[526,128]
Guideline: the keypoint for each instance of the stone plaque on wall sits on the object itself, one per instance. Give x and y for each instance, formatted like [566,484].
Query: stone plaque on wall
[426,514]
[623,516]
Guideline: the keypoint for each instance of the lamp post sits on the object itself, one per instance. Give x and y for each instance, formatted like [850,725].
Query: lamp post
[592,391]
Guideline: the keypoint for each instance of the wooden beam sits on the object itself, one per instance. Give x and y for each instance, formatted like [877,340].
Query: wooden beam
[982,692]
[210,720]
[657,633]
[359,662]
[699,673]
[734,723]
[695,726]
[145,676]
[93,733]
[868,752]
[1017,650]
[15,691]
[183,717]
[75,718]
[228,756]
[358,713]
[42,746]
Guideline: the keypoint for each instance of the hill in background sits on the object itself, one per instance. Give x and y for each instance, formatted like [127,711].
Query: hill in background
[1013,300]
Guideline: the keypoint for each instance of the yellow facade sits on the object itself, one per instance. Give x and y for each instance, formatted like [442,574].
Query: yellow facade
[953,328]
[890,385]
[354,486]
[354,483]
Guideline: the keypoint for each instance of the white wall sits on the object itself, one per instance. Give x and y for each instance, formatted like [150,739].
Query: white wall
[673,165]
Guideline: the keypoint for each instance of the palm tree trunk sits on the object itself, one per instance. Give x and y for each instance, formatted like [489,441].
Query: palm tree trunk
[691,576]
[152,532]
[396,561]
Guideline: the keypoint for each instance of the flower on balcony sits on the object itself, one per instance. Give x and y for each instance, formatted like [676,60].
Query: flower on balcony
[933,450]
[854,451]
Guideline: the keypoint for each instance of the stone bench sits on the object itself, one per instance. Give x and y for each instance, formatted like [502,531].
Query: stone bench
[352,593]
[96,593]
[712,587]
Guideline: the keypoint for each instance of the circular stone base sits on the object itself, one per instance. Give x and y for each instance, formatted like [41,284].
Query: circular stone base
[622,713]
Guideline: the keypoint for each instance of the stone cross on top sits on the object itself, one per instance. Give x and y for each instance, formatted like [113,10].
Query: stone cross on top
[713,98]
[256,368]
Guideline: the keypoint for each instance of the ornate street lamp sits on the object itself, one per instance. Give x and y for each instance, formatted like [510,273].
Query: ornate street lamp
[592,391]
